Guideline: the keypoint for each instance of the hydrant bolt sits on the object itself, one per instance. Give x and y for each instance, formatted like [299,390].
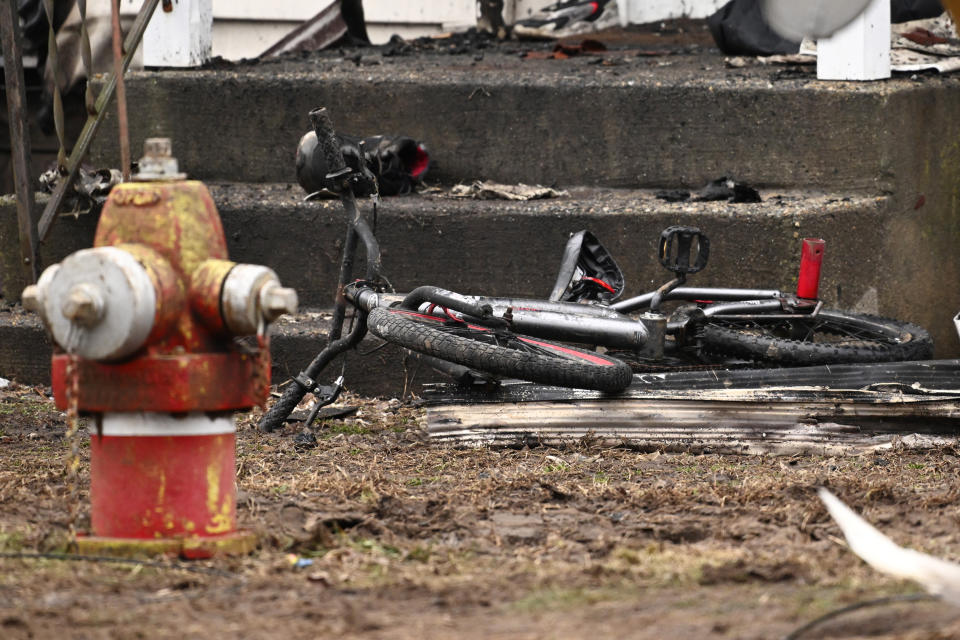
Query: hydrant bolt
[84,305]
[276,301]
[158,162]
[69,300]
[157,148]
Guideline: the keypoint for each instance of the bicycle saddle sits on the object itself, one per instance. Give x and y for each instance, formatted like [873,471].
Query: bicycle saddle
[587,272]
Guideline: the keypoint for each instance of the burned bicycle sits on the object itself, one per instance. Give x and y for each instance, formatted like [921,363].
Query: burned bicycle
[485,337]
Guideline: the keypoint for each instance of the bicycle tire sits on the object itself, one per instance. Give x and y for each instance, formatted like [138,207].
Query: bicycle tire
[275,416]
[830,337]
[500,352]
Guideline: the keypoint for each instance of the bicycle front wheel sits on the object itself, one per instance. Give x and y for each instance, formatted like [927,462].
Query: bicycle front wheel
[830,337]
[274,418]
[499,352]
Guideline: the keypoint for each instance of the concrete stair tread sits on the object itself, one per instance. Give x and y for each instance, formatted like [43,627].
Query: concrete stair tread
[666,120]
[437,200]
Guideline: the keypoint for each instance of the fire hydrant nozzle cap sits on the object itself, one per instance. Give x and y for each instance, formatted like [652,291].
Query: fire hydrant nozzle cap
[106,294]
[252,296]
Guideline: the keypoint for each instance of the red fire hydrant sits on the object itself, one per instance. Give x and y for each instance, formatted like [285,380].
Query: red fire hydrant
[144,326]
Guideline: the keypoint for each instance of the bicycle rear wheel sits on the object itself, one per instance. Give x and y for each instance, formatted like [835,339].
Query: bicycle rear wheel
[499,352]
[830,337]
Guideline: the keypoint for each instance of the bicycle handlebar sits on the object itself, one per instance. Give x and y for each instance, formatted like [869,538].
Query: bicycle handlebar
[327,140]
[338,180]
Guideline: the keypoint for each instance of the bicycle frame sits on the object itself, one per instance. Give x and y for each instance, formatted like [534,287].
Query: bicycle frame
[682,250]
[593,324]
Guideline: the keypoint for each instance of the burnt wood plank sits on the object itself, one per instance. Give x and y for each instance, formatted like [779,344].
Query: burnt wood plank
[814,426]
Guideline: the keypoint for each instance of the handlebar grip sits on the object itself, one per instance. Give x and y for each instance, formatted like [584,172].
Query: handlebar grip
[327,139]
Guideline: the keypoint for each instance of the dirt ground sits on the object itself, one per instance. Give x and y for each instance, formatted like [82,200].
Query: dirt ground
[409,540]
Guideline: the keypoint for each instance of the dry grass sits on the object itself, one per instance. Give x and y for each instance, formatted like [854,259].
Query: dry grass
[406,539]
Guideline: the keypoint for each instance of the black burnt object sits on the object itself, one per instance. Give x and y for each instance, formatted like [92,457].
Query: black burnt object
[673,195]
[739,29]
[466,42]
[305,440]
[399,163]
[720,189]
[728,189]
[588,273]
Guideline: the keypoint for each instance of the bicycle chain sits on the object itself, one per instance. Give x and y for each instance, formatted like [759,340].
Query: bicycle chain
[72,465]
[261,370]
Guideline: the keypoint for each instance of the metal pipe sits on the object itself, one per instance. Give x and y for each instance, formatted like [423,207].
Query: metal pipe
[811,257]
[122,124]
[665,289]
[371,246]
[336,347]
[358,230]
[464,304]
[696,293]
[500,305]
[743,306]
[346,271]
[610,332]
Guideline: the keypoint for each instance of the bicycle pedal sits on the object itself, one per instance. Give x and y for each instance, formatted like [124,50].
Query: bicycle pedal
[683,250]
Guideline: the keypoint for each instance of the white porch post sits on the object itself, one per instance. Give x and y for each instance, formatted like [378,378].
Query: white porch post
[181,37]
[859,51]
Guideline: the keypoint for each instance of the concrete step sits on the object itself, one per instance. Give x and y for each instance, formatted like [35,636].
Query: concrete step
[879,258]
[371,370]
[634,121]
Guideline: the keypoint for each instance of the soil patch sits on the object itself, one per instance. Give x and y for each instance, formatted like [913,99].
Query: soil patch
[376,533]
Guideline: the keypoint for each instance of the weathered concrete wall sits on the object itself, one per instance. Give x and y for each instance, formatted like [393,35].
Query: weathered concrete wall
[872,262]
[883,255]
[918,252]
[500,247]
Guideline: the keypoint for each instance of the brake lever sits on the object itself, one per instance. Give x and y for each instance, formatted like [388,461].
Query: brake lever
[326,396]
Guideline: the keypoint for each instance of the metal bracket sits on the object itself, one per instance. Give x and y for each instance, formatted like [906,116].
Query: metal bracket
[325,396]
[305,381]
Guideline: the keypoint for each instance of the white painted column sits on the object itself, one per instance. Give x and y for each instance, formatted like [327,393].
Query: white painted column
[181,37]
[859,51]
